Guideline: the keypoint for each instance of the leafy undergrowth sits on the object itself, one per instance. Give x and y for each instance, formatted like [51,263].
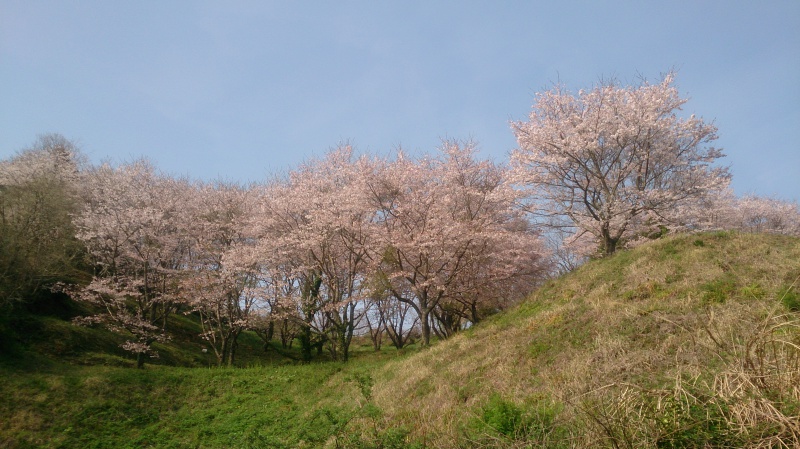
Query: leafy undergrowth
[691,341]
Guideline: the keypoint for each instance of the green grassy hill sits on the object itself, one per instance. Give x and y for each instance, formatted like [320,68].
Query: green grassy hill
[690,341]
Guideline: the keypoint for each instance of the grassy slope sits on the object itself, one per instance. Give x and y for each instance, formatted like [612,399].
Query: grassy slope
[169,407]
[49,404]
[684,341]
[660,346]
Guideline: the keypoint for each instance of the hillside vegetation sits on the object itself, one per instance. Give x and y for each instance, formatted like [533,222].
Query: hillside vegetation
[689,341]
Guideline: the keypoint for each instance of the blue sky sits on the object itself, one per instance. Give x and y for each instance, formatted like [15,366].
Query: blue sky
[241,89]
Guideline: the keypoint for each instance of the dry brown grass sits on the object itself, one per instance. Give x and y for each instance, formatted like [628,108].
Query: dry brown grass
[762,386]
[684,328]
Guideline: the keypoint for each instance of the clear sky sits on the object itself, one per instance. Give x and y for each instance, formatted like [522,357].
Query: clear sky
[241,89]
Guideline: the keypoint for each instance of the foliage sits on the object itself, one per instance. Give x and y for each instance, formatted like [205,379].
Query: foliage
[40,190]
[790,298]
[317,225]
[382,245]
[578,365]
[749,214]
[719,289]
[53,404]
[531,424]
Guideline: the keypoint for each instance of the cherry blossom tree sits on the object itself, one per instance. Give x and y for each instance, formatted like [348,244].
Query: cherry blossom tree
[318,220]
[764,214]
[277,309]
[616,160]
[295,285]
[222,281]
[132,229]
[443,221]
[386,316]
[749,213]
[497,274]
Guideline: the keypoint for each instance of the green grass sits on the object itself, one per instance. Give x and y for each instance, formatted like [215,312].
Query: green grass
[69,406]
[67,386]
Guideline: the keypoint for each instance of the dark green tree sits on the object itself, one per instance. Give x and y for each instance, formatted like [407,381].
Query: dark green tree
[39,194]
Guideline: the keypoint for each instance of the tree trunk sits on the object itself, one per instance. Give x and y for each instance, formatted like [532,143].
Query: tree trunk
[425,326]
[270,331]
[344,348]
[287,336]
[305,343]
[609,246]
[377,338]
[140,356]
[231,352]
[609,242]
[310,298]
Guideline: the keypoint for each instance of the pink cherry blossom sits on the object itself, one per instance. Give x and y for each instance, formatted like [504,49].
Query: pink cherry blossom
[615,162]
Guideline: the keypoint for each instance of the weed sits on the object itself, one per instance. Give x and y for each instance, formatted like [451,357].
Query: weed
[673,278]
[650,289]
[504,417]
[670,249]
[684,416]
[754,291]
[693,420]
[365,382]
[539,347]
[722,235]
[391,438]
[720,289]
[790,298]
[534,423]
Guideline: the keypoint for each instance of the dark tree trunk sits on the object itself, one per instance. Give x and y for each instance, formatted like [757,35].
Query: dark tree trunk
[305,343]
[425,326]
[609,246]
